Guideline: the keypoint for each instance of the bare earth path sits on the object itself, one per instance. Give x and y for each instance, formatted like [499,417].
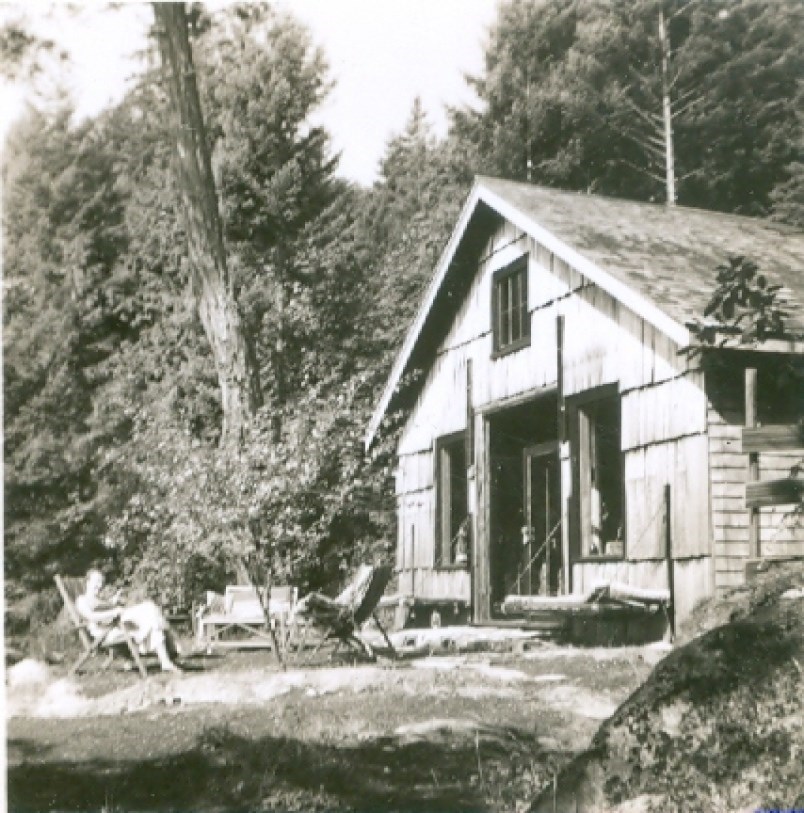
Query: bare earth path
[472,732]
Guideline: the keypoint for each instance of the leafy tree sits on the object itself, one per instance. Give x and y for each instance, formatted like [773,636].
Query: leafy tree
[744,304]
[189,508]
[22,52]
[738,143]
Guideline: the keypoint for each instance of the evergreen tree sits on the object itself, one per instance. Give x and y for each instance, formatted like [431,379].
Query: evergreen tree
[572,92]
[63,320]
[265,79]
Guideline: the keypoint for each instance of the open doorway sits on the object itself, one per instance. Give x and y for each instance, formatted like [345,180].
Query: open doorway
[525,501]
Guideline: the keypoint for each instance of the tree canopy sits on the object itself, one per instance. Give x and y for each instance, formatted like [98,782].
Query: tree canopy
[571,94]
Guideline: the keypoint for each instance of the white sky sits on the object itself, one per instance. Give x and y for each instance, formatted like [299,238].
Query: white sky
[382,54]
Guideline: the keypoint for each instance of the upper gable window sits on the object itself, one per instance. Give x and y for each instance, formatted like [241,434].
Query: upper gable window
[509,307]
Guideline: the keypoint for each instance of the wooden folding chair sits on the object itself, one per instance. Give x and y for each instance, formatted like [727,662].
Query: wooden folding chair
[341,618]
[116,636]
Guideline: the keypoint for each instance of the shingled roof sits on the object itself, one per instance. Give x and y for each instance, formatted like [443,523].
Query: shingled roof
[658,260]
[666,254]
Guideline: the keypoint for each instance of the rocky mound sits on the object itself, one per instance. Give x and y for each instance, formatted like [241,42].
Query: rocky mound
[718,725]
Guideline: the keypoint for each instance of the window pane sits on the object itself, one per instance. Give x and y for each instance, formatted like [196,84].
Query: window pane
[523,306]
[446,495]
[516,316]
[452,500]
[505,313]
[510,306]
[601,479]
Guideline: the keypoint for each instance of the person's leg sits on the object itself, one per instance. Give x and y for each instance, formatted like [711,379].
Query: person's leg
[171,643]
[149,632]
[160,648]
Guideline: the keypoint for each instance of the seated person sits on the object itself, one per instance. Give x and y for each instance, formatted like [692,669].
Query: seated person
[144,622]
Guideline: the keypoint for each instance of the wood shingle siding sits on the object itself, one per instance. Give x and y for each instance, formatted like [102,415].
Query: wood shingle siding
[780,533]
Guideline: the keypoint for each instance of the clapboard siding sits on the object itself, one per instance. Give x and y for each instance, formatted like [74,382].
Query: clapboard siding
[692,578]
[681,464]
[638,574]
[779,534]
[453,584]
[415,472]
[659,412]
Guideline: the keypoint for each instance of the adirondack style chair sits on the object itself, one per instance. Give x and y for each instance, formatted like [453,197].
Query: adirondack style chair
[341,618]
[116,637]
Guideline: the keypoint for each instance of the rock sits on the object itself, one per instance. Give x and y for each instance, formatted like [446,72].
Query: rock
[28,672]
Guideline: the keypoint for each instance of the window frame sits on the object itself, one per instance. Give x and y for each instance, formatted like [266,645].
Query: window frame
[444,556]
[579,407]
[513,270]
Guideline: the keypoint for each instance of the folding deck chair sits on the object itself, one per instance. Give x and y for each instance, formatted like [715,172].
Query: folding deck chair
[116,636]
[341,618]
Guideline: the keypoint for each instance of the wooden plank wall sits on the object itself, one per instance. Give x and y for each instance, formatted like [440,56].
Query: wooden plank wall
[664,415]
[779,534]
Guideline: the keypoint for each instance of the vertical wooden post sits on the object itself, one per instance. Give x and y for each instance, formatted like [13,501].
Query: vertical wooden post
[562,407]
[548,543]
[470,418]
[481,544]
[565,579]
[668,552]
[413,560]
[753,460]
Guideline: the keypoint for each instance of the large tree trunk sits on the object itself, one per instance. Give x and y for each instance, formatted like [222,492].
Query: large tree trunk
[234,358]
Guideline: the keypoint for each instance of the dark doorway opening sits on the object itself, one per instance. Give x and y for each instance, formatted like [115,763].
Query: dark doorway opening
[525,501]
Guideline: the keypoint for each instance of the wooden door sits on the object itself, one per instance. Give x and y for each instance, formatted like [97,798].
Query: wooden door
[541,566]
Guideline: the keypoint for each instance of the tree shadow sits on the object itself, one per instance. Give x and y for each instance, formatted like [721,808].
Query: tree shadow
[224,771]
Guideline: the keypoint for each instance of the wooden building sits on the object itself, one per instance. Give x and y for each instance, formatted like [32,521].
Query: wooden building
[559,431]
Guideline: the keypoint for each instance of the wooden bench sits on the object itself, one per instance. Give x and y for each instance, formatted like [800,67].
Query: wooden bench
[240,622]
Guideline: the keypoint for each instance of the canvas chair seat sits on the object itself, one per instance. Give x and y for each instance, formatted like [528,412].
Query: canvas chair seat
[116,636]
[341,618]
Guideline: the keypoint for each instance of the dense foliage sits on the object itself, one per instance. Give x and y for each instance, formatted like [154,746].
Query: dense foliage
[112,408]
[572,97]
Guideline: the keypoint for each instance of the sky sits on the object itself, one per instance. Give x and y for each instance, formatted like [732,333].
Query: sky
[382,54]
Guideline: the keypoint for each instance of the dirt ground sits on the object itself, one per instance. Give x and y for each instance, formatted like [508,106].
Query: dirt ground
[481,731]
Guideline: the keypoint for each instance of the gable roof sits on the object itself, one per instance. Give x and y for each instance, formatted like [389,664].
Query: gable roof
[657,260]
